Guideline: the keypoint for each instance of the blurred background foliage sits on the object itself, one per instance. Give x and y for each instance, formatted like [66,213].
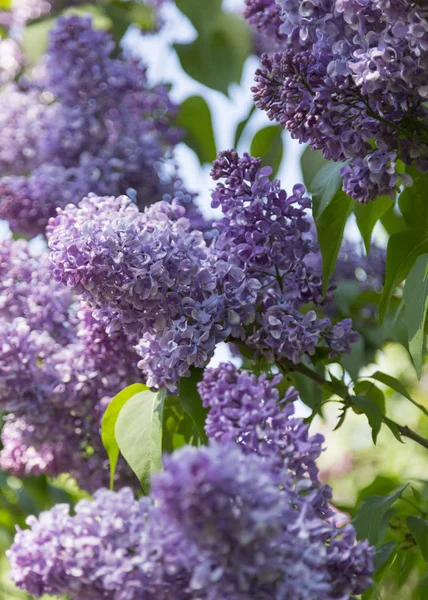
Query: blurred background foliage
[384,488]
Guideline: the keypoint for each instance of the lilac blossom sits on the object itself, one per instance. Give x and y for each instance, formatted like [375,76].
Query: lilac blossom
[217,525]
[86,121]
[346,73]
[177,297]
[58,371]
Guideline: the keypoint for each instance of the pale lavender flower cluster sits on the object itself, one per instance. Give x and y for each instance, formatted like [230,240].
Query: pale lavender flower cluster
[86,122]
[147,273]
[348,73]
[217,525]
[58,371]
[154,276]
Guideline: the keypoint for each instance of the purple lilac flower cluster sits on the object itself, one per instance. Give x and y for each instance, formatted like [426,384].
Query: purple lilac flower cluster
[350,77]
[154,276]
[85,122]
[58,371]
[224,521]
[263,245]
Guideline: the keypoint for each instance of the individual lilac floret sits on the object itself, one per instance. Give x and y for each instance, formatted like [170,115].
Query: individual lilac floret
[217,525]
[248,410]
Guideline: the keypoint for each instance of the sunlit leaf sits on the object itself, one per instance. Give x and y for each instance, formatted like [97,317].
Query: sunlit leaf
[330,227]
[139,434]
[108,435]
[367,215]
[195,118]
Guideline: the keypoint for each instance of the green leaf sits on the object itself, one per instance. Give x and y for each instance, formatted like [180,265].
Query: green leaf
[310,393]
[242,125]
[268,145]
[372,411]
[35,39]
[139,434]
[382,555]
[397,386]
[374,511]
[178,428]
[311,162]
[368,389]
[108,424]
[367,215]
[325,185]
[201,14]
[216,58]
[402,252]
[419,529]
[195,118]
[393,222]
[413,201]
[191,401]
[415,298]
[330,227]
[380,486]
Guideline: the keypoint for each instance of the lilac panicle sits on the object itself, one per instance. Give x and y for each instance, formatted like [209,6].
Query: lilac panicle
[346,73]
[216,525]
[85,121]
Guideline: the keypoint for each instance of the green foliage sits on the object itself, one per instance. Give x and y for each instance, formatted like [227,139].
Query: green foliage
[370,407]
[35,39]
[242,125]
[138,434]
[367,215]
[216,58]
[372,517]
[267,144]
[311,162]
[330,227]
[397,386]
[403,249]
[413,201]
[419,530]
[108,426]
[415,298]
[325,186]
[191,401]
[195,119]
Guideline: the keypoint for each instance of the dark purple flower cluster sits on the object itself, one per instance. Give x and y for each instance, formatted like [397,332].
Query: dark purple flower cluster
[217,525]
[350,77]
[58,371]
[86,122]
[247,409]
[154,276]
[263,251]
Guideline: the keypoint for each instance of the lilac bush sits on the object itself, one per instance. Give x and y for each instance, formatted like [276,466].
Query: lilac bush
[153,275]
